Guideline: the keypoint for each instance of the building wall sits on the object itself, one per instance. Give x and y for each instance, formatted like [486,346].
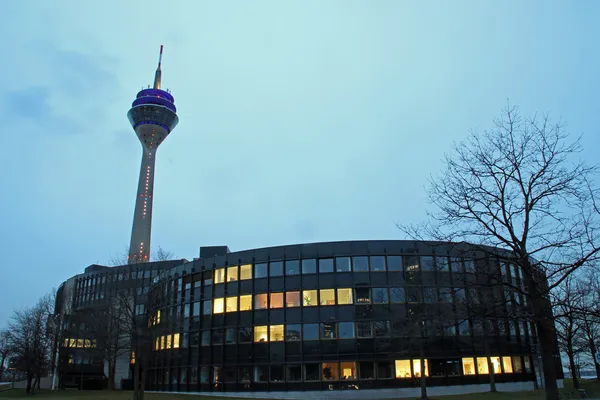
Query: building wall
[341,315]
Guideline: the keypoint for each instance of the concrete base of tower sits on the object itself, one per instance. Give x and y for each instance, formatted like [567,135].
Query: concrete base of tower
[396,393]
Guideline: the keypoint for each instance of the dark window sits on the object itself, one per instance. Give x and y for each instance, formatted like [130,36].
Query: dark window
[276,373]
[205,338]
[217,336]
[294,373]
[328,330]
[437,367]
[394,263]
[292,267]
[442,263]
[427,263]
[342,264]
[445,295]
[377,263]
[204,374]
[385,370]
[196,308]
[453,367]
[261,373]
[380,296]
[276,269]
[469,265]
[364,329]
[311,331]
[293,332]
[363,296]
[429,295]
[230,334]
[382,328]
[194,339]
[309,266]
[366,370]
[361,264]
[414,294]
[229,374]
[245,374]
[346,330]
[206,307]
[312,372]
[245,334]
[260,270]
[397,295]
[326,265]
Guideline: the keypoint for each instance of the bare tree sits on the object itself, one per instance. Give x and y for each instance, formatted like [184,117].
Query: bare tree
[120,258]
[519,188]
[162,255]
[589,315]
[4,351]
[567,303]
[29,341]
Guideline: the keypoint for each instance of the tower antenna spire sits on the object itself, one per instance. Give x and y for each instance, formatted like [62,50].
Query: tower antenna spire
[158,73]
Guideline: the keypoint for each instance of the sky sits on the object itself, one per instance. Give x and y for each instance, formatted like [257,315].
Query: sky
[300,121]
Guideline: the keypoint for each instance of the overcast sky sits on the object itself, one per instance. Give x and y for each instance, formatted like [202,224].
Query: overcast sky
[299,121]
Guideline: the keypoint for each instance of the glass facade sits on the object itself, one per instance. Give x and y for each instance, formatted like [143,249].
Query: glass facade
[331,321]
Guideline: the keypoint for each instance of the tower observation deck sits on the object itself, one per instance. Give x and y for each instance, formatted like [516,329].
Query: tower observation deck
[153,116]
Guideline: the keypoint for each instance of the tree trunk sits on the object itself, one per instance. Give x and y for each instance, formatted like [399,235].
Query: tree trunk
[143,379]
[489,362]
[573,367]
[111,375]
[29,379]
[423,378]
[594,350]
[136,380]
[546,337]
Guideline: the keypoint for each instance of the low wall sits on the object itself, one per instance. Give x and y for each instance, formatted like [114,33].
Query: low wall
[370,393]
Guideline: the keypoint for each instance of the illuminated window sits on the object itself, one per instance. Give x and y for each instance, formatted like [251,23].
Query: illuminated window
[176,340]
[518,365]
[363,296]
[276,300]
[403,369]
[157,344]
[231,304]
[261,333]
[309,298]
[220,275]
[468,366]
[331,371]
[219,306]
[345,296]
[348,370]
[158,317]
[482,366]
[260,301]
[328,330]
[232,274]
[246,302]
[417,368]
[496,365]
[132,360]
[246,272]
[327,297]
[168,346]
[292,299]
[276,333]
[508,369]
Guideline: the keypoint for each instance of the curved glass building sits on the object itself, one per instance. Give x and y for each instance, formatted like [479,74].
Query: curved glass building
[342,315]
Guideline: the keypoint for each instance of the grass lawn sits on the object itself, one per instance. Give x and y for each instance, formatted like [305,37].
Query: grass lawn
[592,387]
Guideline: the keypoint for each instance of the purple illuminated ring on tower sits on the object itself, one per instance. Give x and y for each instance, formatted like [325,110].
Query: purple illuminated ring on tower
[160,101]
[156,93]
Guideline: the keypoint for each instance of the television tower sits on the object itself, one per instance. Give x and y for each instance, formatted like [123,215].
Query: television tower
[153,116]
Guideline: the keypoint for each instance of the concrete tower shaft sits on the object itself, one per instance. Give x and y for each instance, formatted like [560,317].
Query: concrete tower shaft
[153,116]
